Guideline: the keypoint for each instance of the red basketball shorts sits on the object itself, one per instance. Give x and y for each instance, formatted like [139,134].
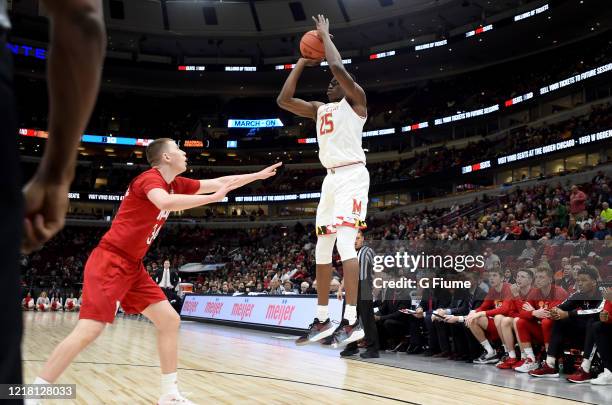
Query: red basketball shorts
[110,278]
[491,332]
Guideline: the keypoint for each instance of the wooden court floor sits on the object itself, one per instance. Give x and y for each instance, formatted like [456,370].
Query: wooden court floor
[121,367]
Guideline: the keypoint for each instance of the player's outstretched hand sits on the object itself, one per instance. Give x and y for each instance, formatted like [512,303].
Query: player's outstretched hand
[322,25]
[46,203]
[268,171]
[219,195]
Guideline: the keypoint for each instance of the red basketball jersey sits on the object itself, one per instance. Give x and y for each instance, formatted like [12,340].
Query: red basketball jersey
[138,220]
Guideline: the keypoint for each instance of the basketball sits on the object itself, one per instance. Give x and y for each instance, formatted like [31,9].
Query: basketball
[311,45]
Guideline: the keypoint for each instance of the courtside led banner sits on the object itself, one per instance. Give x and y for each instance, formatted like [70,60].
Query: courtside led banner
[284,311]
[265,123]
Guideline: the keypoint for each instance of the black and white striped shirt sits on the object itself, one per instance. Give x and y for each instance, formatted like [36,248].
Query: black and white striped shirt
[365,258]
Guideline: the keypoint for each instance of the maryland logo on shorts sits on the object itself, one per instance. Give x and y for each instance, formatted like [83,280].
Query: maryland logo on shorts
[356,207]
[498,303]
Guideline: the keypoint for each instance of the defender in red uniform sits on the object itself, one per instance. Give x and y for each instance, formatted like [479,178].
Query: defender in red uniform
[114,272]
[481,320]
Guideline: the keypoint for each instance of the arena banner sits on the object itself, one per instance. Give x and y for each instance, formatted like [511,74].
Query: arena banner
[279,311]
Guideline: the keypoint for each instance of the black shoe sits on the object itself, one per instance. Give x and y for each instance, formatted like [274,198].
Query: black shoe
[487,358]
[349,351]
[415,350]
[316,331]
[428,353]
[345,333]
[370,354]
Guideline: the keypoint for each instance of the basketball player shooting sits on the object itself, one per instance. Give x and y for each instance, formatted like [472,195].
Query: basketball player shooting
[114,272]
[344,195]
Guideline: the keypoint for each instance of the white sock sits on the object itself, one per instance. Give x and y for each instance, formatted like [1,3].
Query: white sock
[487,346]
[529,353]
[40,381]
[512,354]
[586,365]
[169,384]
[505,348]
[350,314]
[322,313]
[550,360]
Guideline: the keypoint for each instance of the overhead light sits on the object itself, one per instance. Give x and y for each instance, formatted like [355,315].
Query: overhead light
[109,150]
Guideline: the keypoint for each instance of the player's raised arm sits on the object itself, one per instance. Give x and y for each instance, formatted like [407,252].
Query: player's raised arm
[354,93]
[179,202]
[286,99]
[212,185]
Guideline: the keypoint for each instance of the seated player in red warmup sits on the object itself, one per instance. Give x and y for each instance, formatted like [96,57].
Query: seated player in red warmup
[114,271]
[506,324]
[481,321]
[535,323]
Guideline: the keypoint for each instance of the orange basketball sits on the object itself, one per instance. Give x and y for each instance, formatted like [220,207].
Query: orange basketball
[311,45]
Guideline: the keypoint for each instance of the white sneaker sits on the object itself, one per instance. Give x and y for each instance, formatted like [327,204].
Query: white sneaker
[174,399]
[604,378]
[528,365]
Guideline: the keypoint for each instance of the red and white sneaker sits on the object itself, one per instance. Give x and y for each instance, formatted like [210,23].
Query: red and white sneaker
[507,364]
[518,363]
[527,366]
[580,376]
[545,371]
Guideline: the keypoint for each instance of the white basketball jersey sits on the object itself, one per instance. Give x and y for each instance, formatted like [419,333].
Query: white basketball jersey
[339,131]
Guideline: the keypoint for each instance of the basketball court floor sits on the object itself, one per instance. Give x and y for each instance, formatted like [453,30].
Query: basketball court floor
[226,365]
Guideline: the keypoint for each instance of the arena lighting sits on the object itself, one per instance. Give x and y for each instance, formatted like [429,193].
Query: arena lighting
[232,144]
[307,140]
[193,143]
[475,167]
[272,198]
[468,114]
[288,66]
[262,123]
[542,150]
[519,99]
[115,140]
[577,78]
[33,133]
[479,30]
[344,62]
[241,68]
[431,45]
[414,127]
[382,55]
[29,51]
[531,13]
[192,68]
[378,132]
[110,140]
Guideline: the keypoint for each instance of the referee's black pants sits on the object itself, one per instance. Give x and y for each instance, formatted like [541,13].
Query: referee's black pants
[11,217]
[603,338]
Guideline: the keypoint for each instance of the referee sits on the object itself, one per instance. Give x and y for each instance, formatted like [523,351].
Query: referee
[76,53]
[365,308]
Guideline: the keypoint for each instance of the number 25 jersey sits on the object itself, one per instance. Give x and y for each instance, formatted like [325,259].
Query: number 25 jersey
[138,220]
[339,131]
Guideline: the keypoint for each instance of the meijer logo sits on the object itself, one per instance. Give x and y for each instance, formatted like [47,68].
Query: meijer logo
[191,306]
[213,308]
[280,313]
[243,310]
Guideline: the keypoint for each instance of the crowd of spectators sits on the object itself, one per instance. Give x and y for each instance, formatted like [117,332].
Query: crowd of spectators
[256,259]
